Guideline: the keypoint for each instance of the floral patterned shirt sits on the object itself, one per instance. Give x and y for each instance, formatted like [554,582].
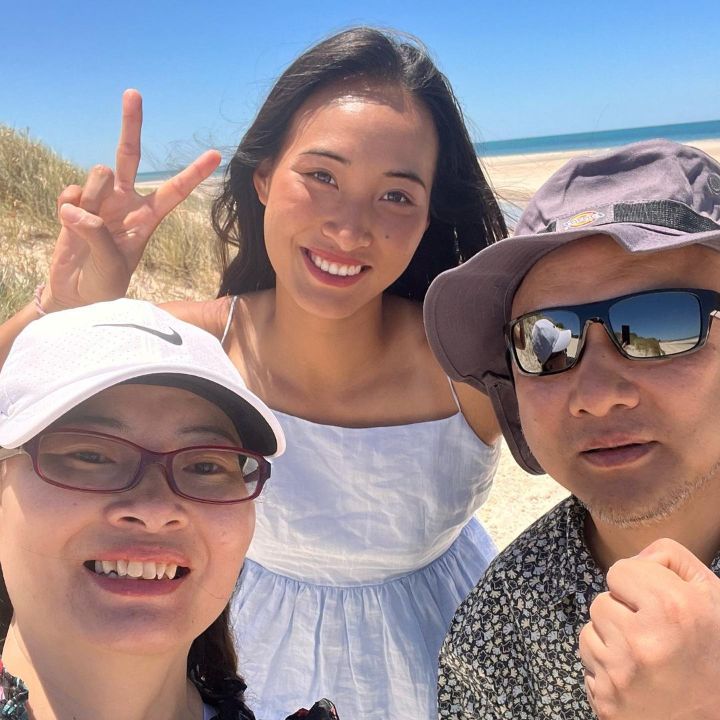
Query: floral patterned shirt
[512,648]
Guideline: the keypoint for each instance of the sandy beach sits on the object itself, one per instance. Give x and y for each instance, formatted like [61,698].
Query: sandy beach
[516,177]
[517,498]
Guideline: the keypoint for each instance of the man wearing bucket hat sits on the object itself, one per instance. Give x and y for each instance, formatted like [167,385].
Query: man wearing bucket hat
[611,601]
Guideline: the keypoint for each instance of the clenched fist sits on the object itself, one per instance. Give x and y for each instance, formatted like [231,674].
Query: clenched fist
[651,650]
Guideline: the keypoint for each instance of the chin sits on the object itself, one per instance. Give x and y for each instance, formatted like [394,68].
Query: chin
[142,631]
[643,511]
[331,306]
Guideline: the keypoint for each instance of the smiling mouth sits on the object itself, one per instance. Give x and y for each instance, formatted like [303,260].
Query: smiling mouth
[613,448]
[136,569]
[334,268]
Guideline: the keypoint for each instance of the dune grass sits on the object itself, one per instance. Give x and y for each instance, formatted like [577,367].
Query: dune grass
[180,262]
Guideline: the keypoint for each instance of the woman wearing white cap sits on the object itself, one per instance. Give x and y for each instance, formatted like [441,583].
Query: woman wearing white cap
[130,453]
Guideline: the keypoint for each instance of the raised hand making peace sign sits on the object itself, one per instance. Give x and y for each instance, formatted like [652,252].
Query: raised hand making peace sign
[106,224]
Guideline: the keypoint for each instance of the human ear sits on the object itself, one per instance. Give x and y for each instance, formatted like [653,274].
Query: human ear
[261,180]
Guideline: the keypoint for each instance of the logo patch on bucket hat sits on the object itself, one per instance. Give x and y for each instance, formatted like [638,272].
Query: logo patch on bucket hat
[581,219]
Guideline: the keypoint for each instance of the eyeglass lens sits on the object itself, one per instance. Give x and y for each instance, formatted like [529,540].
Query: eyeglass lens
[649,325]
[86,462]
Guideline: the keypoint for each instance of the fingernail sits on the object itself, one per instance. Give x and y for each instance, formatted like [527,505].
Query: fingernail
[70,213]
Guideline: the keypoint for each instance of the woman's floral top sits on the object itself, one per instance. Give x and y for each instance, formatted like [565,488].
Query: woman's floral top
[13,696]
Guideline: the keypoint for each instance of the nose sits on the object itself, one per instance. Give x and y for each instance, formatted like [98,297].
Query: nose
[150,505]
[349,228]
[602,379]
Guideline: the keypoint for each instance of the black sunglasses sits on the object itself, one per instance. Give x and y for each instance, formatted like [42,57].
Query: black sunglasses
[648,325]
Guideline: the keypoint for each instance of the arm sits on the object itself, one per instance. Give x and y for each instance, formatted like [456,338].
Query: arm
[106,226]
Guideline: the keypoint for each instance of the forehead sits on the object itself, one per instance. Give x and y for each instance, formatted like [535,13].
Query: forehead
[596,268]
[358,112]
[147,411]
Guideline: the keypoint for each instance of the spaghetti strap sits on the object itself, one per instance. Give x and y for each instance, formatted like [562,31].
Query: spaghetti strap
[229,320]
[455,397]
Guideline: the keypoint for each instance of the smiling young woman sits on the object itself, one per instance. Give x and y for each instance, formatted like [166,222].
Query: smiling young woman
[353,188]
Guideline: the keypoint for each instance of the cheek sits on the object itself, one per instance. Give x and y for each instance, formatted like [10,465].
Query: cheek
[543,417]
[689,393]
[232,532]
[539,404]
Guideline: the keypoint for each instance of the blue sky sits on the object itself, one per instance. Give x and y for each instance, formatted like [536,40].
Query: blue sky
[519,68]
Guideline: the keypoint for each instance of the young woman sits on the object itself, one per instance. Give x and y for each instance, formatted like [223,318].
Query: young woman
[130,454]
[354,187]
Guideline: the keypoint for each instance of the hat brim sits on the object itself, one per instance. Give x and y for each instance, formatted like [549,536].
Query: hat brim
[257,426]
[466,309]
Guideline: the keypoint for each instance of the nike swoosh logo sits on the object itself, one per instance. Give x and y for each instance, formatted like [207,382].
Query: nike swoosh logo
[171,337]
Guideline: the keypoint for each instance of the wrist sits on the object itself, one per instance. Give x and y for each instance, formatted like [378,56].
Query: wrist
[43,300]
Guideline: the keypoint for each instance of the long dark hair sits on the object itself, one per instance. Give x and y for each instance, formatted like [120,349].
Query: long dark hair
[211,665]
[464,215]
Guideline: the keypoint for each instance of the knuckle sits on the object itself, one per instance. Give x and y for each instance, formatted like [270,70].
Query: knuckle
[101,171]
[621,568]
[600,605]
[648,651]
[663,545]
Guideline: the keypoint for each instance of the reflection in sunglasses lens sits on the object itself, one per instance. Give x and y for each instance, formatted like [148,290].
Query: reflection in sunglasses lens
[657,324]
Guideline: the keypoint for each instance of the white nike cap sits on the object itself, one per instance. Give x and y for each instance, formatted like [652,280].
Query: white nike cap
[66,357]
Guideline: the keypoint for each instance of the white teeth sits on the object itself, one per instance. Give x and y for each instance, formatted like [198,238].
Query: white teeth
[135,569]
[335,268]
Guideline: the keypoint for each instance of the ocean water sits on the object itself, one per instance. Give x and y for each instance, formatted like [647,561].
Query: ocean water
[680,132]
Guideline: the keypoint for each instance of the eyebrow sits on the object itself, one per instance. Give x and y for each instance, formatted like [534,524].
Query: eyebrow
[115,424]
[209,430]
[102,420]
[402,174]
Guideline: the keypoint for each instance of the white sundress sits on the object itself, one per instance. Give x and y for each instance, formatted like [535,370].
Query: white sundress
[364,547]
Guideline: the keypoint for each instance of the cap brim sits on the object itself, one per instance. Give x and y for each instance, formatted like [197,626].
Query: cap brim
[466,309]
[258,427]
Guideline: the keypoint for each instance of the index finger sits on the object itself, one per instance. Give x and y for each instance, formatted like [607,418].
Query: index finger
[176,189]
[127,157]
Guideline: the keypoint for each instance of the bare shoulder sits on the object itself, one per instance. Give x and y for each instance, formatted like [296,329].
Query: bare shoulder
[210,315]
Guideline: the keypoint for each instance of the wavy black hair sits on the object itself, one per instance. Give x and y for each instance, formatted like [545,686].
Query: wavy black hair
[464,214]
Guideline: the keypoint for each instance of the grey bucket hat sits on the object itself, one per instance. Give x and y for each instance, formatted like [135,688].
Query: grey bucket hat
[648,196]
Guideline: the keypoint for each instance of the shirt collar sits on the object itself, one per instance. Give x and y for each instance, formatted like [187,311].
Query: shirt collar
[577,568]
